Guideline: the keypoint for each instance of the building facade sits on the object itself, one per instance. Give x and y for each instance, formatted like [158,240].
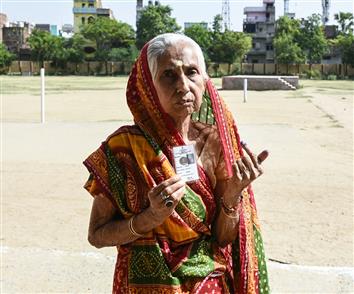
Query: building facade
[260,24]
[85,11]
[3,23]
[189,24]
[140,7]
[15,36]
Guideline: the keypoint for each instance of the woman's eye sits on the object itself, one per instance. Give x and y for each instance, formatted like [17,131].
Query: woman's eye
[169,74]
[192,72]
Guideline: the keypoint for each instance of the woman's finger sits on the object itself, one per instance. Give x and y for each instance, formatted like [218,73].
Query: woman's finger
[250,169]
[169,190]
[178,194]
[236,171]
[251,155]
[262,156]
[243,170]
[163,185]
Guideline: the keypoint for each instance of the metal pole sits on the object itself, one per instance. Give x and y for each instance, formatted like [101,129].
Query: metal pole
[42,96]
[244,90]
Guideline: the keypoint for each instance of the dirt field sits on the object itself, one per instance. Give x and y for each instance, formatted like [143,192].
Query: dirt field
[305,198]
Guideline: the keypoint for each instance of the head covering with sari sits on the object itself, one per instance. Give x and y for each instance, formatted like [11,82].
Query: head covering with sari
[181,255]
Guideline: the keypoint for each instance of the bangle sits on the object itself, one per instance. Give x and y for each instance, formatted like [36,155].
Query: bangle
[131,228]
[235,216]
[226,208]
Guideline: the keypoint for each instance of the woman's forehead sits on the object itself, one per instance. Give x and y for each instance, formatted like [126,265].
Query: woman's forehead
[181,54]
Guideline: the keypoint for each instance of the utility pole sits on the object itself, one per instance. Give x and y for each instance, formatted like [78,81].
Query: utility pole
[286,7]
[325,11]
[226,14]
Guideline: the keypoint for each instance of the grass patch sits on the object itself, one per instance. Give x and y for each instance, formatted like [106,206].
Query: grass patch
[31,85]
[321,84]
[298,94]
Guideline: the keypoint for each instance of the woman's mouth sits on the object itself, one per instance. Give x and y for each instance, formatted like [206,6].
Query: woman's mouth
[186,102]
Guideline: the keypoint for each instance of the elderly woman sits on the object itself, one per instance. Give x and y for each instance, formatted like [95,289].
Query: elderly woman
[172,236]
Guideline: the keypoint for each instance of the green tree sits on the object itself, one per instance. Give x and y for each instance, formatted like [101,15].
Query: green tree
[229,46]
[217,24]
[287,51]
[285,42]
[154,20]
[345,40]
[215,51]
[43,46]
[312,39]
[287,25]
[235,45]
[345,43]
[59,56]
[345,21]
[124,54]
[202,36]
[6,57]
[75,48]
[107,34]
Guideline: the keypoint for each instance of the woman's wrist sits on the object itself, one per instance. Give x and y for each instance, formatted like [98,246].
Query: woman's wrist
[229,207]
[231,202]
[147,221]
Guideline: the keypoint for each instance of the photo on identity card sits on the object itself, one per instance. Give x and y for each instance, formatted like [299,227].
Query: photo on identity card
[185,162]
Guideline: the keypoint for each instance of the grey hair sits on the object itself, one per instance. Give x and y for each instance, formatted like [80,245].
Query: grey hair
[159,44]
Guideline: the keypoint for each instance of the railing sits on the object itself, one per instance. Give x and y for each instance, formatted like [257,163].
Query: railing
[85,10]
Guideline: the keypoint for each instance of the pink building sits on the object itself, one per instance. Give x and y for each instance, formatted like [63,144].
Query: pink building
[260,23]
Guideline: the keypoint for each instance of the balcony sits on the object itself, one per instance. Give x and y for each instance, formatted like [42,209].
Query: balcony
[253,9]
[103,11]
[85,10]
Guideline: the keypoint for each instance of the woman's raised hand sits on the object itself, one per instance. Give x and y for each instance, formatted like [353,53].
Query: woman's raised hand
[165,196]
[246,170]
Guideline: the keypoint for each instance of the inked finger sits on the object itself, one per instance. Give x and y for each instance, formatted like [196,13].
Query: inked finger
[262,156]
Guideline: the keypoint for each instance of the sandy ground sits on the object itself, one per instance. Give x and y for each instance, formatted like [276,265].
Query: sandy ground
[305,198]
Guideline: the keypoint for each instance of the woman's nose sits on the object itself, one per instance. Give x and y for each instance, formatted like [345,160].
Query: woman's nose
[182,84]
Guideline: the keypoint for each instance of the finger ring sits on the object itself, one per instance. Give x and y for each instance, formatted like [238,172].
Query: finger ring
[164,195]
[168,202]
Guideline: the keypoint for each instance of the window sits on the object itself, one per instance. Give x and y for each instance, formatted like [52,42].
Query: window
[90,19]
[90,5]
[82,20]
[83,5]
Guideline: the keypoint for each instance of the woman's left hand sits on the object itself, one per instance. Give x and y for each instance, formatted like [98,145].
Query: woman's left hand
[246,169]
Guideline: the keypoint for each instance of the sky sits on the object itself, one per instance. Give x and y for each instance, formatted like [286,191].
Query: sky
[59,12]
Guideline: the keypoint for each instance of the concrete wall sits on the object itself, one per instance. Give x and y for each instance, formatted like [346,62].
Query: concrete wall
[260,83]
[124,68]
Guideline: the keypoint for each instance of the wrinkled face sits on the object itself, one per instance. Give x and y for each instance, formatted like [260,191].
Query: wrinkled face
[179,82]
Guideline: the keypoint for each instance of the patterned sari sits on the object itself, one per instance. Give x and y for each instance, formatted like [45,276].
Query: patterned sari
[181,255]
